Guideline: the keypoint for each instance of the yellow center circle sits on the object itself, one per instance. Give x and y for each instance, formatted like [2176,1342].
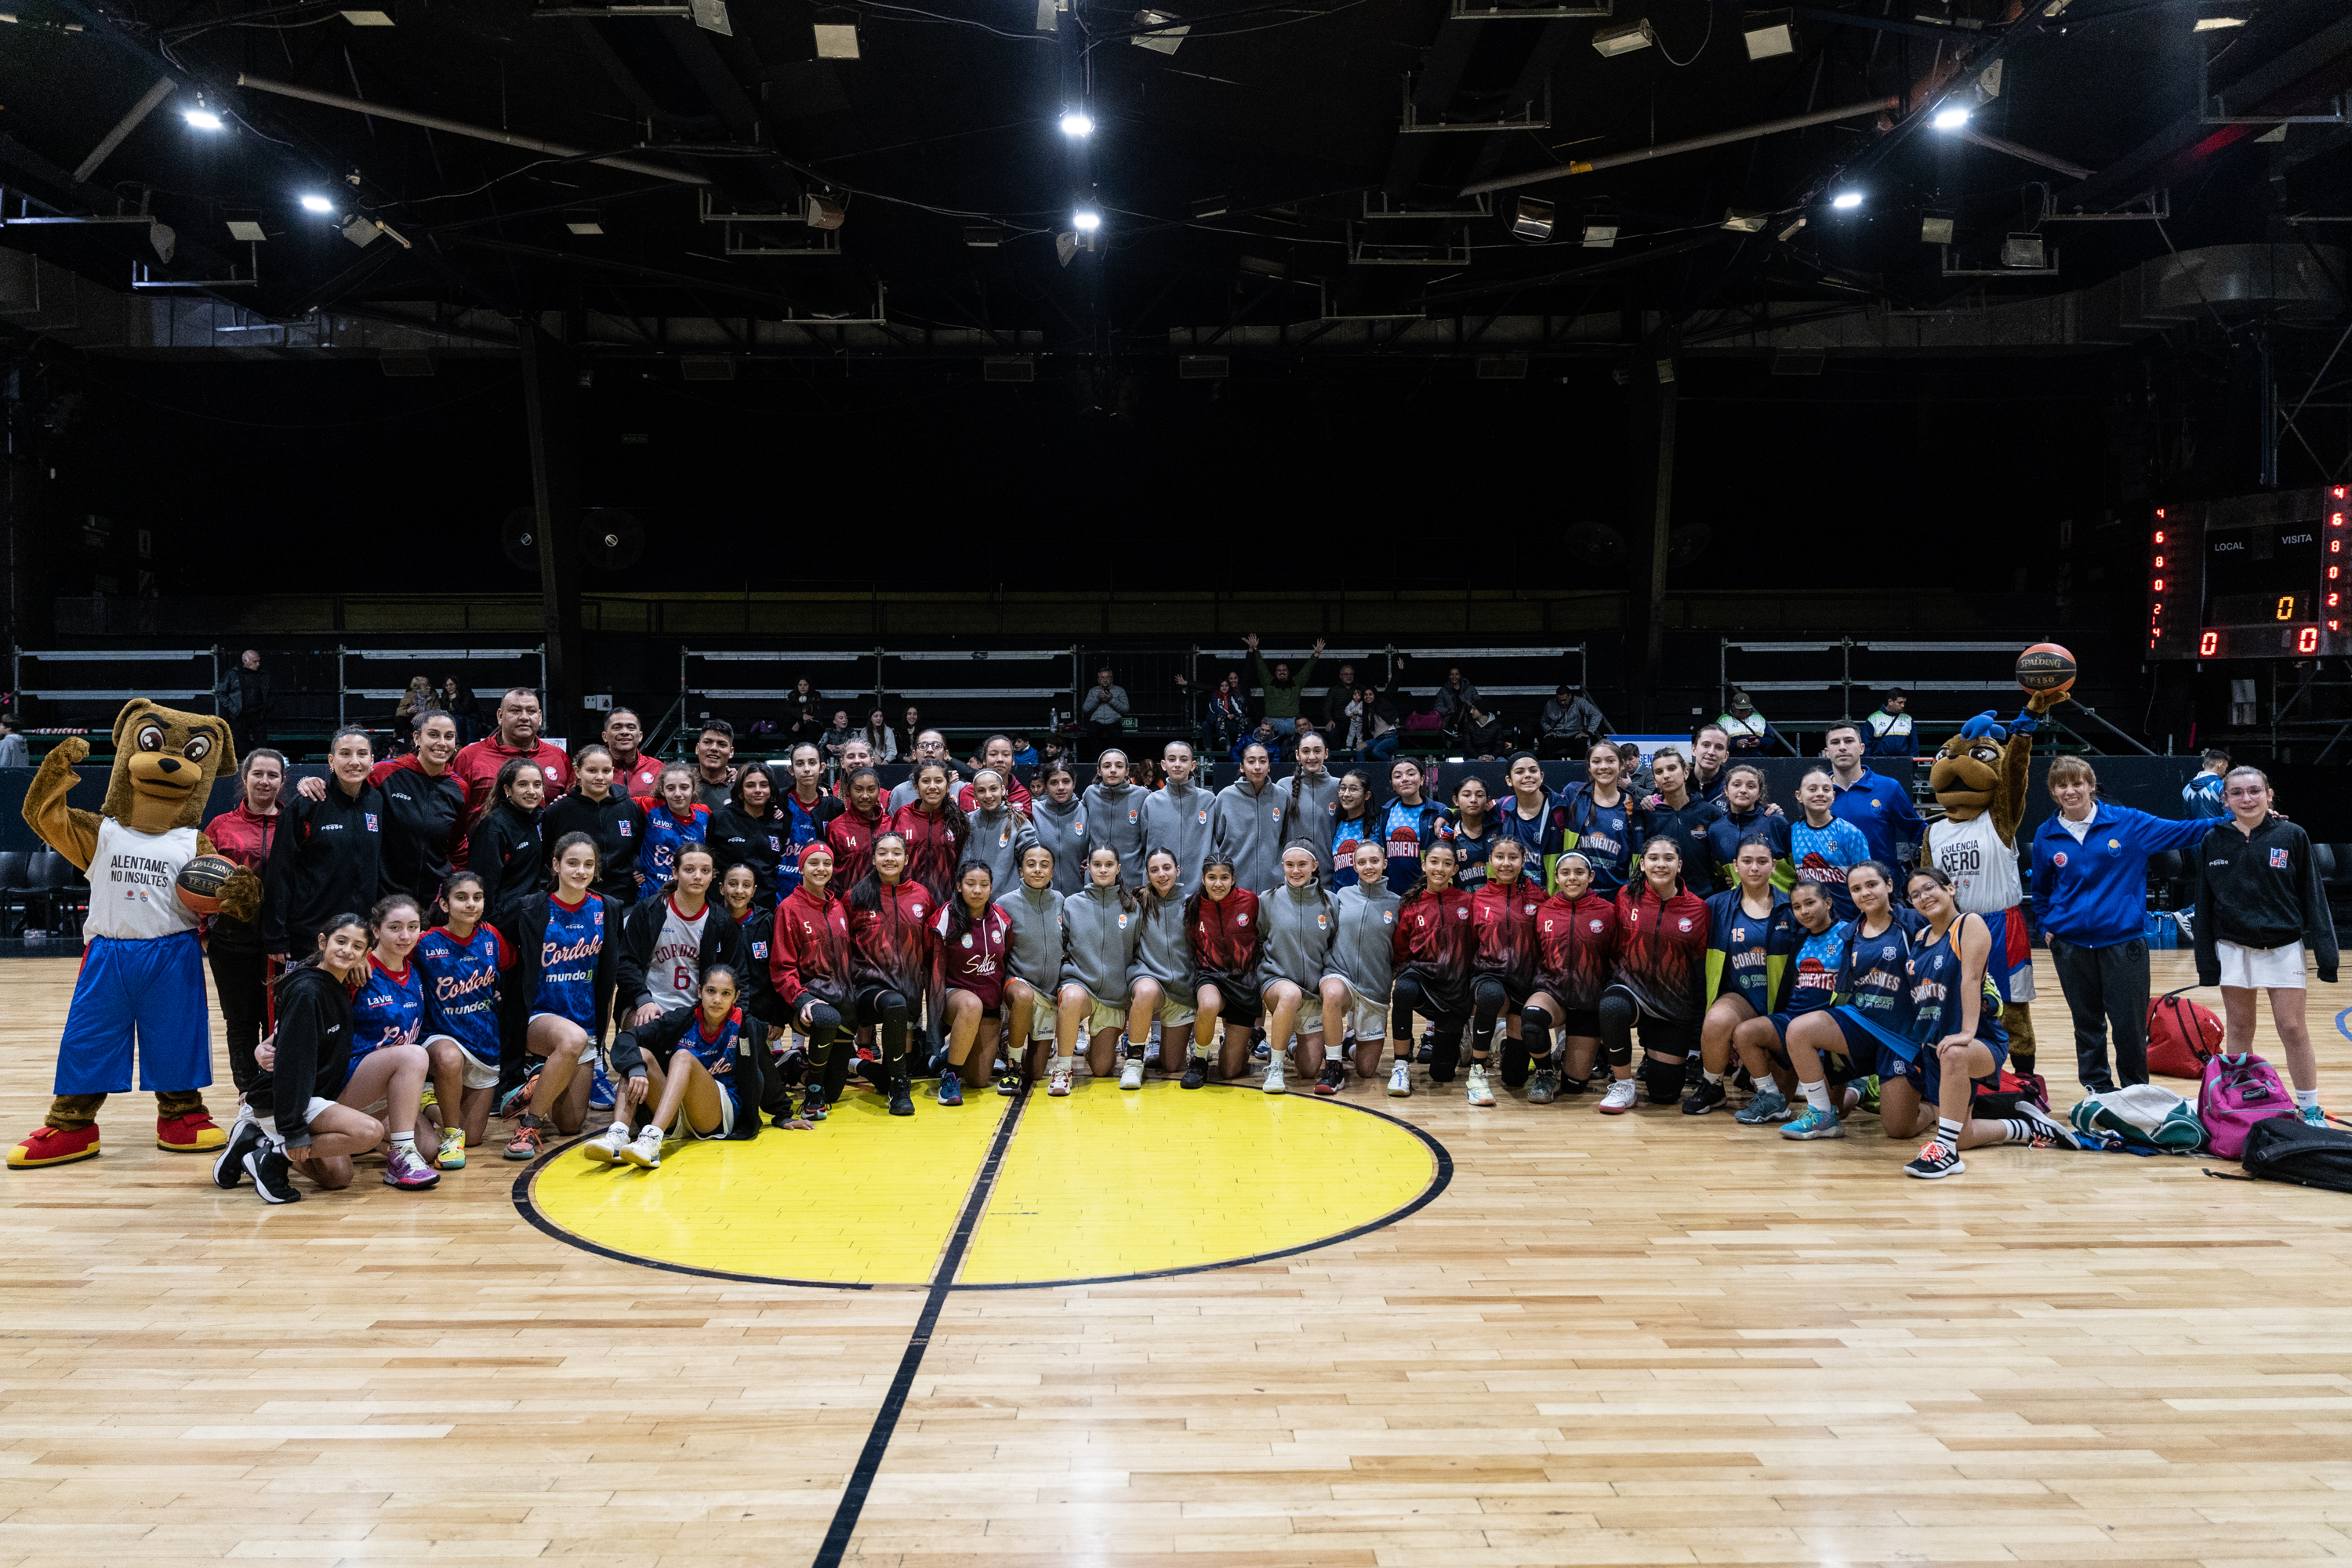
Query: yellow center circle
[1101,1185]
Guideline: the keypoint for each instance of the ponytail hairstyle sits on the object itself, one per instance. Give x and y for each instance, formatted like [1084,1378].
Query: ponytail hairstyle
[662,787]
[1421,883]
[1363,782]
[950,812]
[1314,877]
[1193,904]
[1671,842]
[669,888]
[866,896]
[1046,770]
[316,956]
[717,969]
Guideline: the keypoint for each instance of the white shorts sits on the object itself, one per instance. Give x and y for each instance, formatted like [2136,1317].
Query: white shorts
[726,1119]
[2261,968]
[1176,1011]
[479,1073]
[1367,1020]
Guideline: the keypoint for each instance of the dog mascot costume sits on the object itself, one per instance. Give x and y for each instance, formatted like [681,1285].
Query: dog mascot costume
[1980,780]
[143,975]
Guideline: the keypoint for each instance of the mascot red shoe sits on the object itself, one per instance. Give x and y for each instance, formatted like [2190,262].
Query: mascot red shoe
[142,975]
[1980,780]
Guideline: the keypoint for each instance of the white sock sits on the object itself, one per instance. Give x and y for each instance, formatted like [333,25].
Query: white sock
[2016,1131]
[1817,1094]
[620,1127]
[405,1141]
[1947,1133]
[1713,1077]
[2305,1099]
[1199,1052]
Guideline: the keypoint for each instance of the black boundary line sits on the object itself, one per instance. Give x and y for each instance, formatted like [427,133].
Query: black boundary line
[894,1403]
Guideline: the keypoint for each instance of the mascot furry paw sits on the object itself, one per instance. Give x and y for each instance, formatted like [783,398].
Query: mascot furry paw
[143,975]
[1979,779]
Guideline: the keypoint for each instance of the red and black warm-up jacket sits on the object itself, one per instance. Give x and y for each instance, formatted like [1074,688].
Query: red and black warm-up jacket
[851,839]
[1661,950]
[810,954]
[1432,945]
[244,839]
[1503,927]
[1226,936]
[934,845]
[1579,942]
[891,944]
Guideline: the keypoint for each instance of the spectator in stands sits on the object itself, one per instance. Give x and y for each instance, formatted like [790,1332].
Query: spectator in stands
[1570,722]
[1454,699]
[13,753]
[912,724]
[1222,726]
[634,772]
[1483,734]
[2203,793]
[1749,732]
[1873,803]
[881,746]
[1890,729]
[457,700]
[243,699]
[418,695]
[1282,693]
[1104,708]
[1335,697]
[477,766]
[807,717]
[1024,755]
[1266,735]
[836,735]
[930,746]
[1370,735]
[714,763]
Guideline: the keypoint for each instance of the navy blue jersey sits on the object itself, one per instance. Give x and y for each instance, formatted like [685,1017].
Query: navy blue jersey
[716,1051]
[803,831]
[1472,853]
[1725,833]
[1876,979]
[461,987]
[567,963]
[1603,835]
[666,833]
[1345,836]
[1407,830]
[1745,955]
[1937,994]
[387,1009]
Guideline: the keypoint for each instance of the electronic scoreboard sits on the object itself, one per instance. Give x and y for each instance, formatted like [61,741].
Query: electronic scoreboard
[2259,576]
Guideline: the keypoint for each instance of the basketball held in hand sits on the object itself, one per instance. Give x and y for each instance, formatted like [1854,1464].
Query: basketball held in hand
[200,883]
[2045,667]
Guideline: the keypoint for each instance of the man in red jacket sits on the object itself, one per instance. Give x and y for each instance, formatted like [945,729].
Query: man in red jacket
[477,766]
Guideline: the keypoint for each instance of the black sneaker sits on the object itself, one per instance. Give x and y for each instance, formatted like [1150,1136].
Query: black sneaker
[243,1140]
[1196,1073]
[813,1107]
[902,1099]
[1334,1079]
[1008,1083]
[1707,1097]
[1443,1059]
[272,1174]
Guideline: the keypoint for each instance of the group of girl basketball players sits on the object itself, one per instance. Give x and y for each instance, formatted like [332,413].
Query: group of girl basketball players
[795,933]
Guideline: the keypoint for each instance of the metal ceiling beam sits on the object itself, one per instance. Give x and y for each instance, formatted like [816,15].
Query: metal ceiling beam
[1688,144]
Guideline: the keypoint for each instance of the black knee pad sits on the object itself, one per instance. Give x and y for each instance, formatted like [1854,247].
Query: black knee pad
[1618,1011]
[1535,1028]
[1664,1081]
[1514,1064]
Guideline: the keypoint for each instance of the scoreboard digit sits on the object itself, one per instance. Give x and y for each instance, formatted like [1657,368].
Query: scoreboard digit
[2258,576]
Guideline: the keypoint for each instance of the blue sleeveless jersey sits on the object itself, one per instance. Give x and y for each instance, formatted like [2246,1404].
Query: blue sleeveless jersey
[1875,979]
[1811,982]
[461,987]
[386,1009]
[567,962]
[1936,970]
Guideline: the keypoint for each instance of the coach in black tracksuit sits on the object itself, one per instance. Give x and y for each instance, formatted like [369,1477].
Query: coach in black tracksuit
[326,860]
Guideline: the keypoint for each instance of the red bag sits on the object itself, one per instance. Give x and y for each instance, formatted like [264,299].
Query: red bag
[2182,1036]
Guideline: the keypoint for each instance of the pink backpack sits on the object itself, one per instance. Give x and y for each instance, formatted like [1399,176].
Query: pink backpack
[2237,1093]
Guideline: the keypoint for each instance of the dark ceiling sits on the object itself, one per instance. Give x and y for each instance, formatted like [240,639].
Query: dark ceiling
[1241,178]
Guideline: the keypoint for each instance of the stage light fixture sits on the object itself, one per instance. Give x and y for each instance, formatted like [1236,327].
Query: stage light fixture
[1769,33]
[824,211]
[202,117]
[368,18]
[314,203]
[1077,122]
[1742,220]
[583,225]
[246,231]
[983,236]
[1532,221]
[836,40]
[1165,36]
[1846,200]
[1934,228]
[1085,220]
[2023,250]
[1951,117]
[2215,24]
[1600,228]
[1625,38]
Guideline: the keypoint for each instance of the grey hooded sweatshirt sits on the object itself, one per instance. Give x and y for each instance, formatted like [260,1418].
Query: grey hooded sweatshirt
[1099,936]
[1245,828]
[1063,829]
[1178,818]
[1165,952]
[1298,925]
[1034,949]
[1115,822]
[1361,951]
[996,841]
[1318,808]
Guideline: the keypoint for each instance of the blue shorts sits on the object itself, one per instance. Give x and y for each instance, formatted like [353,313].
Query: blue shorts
[1866,1042]
[1923,1072]
[149,989]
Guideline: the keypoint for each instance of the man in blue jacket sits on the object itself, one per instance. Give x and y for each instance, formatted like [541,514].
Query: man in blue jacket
[2090,898]
[1878,805]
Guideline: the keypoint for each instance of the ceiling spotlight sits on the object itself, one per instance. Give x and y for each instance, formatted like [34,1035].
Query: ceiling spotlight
[1532,221]
[1769,33]
[836,40]
[1077,122]
[1846,200]
[1951,117]
[583,225]
[1087,220]
[317,204]
[246,231]
[1934,228]
[2215,24]
[199,118]
[368,18]
[1160,32]
[1743,220]
[1625,38]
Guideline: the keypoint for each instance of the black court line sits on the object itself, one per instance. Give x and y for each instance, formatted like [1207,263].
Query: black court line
[894,1403]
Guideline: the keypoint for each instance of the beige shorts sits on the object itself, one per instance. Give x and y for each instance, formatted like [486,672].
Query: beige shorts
[479,1073]
[1366,1020]
[1176,1011]
[1100,1015]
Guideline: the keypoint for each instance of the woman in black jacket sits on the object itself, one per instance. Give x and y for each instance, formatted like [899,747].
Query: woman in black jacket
[596,806]
[294,1122]
[751,829]
[328,855]
[506,850]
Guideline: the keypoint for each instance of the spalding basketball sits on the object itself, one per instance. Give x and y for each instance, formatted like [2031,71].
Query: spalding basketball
[2045,667]
[201,880]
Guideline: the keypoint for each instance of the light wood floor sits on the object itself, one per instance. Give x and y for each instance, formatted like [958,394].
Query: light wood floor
[1645,1339]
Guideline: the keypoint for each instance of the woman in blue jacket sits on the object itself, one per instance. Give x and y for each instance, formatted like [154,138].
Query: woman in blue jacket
[2090,898]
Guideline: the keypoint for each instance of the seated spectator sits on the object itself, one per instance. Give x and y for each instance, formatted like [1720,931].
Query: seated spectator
[877,736]
[1370,735]
[836,736]
[1751,734]
[913,725]
[1333,720]
[1024,755]
[806,721]
[1571,723]
[1455,696]
[1104,708]
[1483,734]
[1266,735]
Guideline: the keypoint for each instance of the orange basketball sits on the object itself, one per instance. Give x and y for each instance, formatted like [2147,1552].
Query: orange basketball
[200,883]
[2045,667]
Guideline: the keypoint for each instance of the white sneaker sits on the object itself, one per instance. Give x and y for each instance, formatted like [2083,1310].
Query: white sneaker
[1401,1081]
[1274,1083]
[1057,1080]
[645,1153]
[1619,1098]
[1479,1093]
[1131,1075]
[606,1149]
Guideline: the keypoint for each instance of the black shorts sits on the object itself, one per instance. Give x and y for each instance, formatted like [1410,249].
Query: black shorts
[1240,1003]
[1668,1036]
[869,1003]
[1584,1024]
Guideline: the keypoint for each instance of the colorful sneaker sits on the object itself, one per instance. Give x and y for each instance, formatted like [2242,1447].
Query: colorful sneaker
[524,1144]
[950,1089]
[407,1170]
[1058,1081]
[1196,1073]
[1869,1101]
[194,1134]
[813,1107]
[600,1087]
[1814,1123]
[2312,1115]
[644,1150]
[1400,1080]
[1275,1083]
[517,1101]
[245,1136]
[1769,1105]
[1707,1097]
[1008,1083]
[452,1156]
[1131,1073]
[273,1174]
[1933,1162]
[1333,1079]
[1623,1092]
[1475,1085]
[1543,1086]
[605,1148]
